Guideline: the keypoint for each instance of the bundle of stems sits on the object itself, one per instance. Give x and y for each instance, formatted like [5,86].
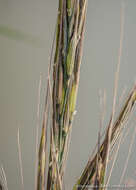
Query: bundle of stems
[66,71]
[69,39]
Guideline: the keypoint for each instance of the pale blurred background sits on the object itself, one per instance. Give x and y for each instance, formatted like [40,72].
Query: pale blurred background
[23,58]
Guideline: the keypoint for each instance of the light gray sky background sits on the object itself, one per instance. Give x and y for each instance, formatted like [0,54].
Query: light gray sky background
[22,61]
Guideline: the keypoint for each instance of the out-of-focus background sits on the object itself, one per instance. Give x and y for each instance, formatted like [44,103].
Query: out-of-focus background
[26,34]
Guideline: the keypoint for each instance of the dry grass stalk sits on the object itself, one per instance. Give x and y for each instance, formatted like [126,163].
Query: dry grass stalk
[20,160]
[129,153]
[37,129]
[42,157]
[3,179]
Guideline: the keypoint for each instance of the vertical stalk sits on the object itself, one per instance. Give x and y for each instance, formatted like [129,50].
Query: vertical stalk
[66,71]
